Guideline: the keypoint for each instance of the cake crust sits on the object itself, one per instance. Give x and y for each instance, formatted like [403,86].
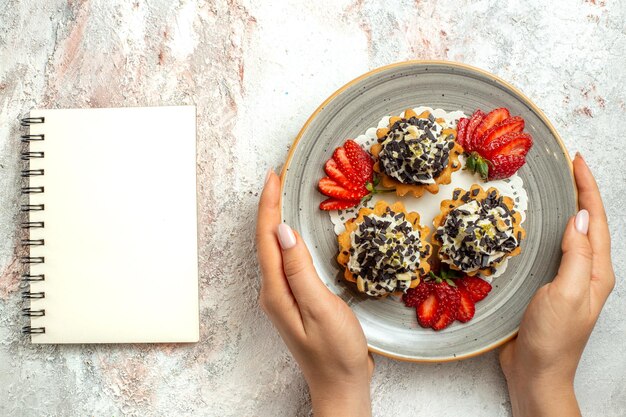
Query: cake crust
[379,209]
[462,197]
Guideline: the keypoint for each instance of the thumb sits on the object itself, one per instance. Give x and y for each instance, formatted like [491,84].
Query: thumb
[575,271]
[305,284]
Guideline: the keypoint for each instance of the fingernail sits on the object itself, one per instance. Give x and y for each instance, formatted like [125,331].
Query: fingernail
[286,237]
[269,173]
[582,221]
[579,155]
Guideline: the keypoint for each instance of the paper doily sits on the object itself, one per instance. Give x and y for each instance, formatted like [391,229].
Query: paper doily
[428,205]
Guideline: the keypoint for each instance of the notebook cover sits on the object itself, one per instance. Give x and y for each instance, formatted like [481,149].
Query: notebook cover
[120,233]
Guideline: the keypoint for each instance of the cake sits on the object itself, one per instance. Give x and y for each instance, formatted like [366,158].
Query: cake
[416,153]
[384,250]
[477,230]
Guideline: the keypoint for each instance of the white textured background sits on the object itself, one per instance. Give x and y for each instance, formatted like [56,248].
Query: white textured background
[256,70]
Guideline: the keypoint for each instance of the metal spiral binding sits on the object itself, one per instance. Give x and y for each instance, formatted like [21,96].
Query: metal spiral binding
[32,172]
[27,278]
[27,121]
[29,312]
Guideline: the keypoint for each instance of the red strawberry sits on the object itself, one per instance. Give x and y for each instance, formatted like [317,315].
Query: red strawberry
[341,158]
[461,130]
[415,296]
[428,311]
[477,117]
[477,287]
[445,319]
[334,204]
[514,143]
[449,300]
[332,170]
[361,162]
[512,124]
[497,147]
[332,189]
[503,166]
[490,120]
[467,307]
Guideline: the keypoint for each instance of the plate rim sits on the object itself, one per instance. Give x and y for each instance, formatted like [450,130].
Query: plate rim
[444,63]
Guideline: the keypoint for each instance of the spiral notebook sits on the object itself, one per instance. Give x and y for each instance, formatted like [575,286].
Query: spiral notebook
[111,217]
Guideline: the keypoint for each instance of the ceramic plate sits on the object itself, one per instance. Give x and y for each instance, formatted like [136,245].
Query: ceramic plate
[391,329]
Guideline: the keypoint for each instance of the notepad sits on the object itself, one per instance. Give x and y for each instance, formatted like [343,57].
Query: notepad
[112,225]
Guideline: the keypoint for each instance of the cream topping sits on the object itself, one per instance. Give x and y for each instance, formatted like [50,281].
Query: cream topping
[415,151]
[385,253]
[477,235]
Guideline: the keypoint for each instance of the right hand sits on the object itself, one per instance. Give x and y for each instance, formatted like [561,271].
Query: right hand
[541,362]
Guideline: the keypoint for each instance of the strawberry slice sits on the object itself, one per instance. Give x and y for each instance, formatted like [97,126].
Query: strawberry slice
[514,143]
[512,124]
[335,204]
[477,117]
[332,189]
[413,297]
[461,130]
[428,312]
[467,306]
[490,120]
[445,319]
[503,166]
[341,158]
[335,174]
[477,287]
[360,161]
[449,300]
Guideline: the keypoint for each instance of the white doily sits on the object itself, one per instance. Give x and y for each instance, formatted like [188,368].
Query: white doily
[428,204]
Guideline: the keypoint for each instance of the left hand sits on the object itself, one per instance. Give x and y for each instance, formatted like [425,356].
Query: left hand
[318,327]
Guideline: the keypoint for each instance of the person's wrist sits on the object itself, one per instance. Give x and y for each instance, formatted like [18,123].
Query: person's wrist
[346,399]
[542,395]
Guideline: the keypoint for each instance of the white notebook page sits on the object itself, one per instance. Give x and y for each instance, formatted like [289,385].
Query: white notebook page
[120,225]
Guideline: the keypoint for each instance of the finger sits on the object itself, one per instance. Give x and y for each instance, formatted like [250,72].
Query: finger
[306,286]
[268,250]
[589,198]
[371,364]
[275,296]
[603,278]
[574,273]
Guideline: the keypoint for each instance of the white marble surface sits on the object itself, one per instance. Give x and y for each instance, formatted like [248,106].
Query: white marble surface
[256,70]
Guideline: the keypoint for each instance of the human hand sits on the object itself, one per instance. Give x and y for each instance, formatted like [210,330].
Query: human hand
[540,364]
[319,328]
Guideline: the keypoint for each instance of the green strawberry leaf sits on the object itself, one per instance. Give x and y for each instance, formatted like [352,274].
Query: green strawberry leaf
[483,169]
[470,163]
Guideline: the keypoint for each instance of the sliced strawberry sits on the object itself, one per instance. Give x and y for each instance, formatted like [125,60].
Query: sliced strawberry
[467,306]
[415,296]
[360,161]
[445,319]
[335,204]
[477,287]
[449,299]
[341,158]
[428,312]
[448,296]
[332,170]
[332,189]
[503,166]
[514,143]
[490,120]
[477,117]
[461,130]
[512,124]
